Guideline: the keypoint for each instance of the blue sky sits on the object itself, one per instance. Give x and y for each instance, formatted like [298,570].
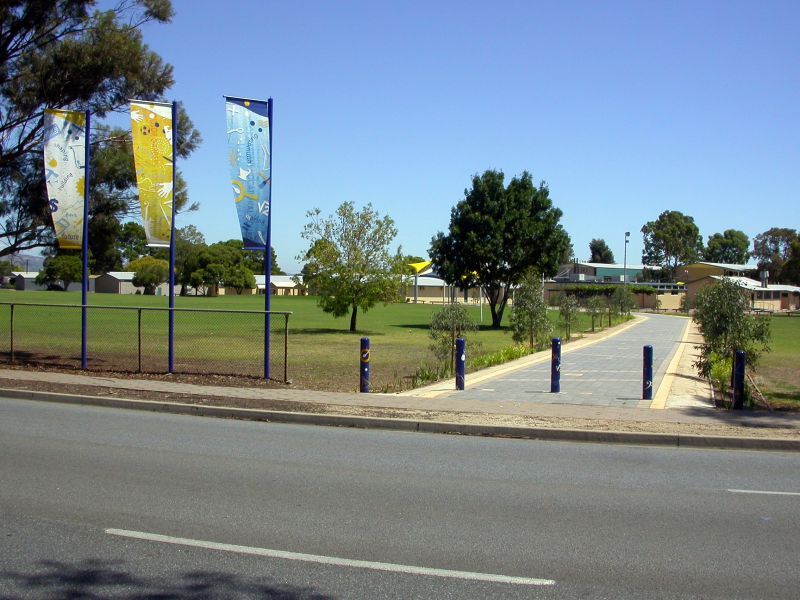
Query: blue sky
[625,109]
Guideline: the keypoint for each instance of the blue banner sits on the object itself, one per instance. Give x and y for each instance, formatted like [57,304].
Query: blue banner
[249,154]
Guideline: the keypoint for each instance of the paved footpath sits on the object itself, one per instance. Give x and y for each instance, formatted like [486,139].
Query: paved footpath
[607,373]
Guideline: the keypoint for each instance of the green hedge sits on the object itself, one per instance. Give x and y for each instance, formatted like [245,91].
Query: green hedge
[588,290]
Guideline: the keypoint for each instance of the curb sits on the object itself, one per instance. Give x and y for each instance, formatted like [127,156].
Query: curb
[410,425]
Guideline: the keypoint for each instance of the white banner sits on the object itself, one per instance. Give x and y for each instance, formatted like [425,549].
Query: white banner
[65,173]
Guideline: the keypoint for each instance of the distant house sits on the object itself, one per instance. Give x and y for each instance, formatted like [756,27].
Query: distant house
[601,272]
[762,294]
[699,275]
[26,281]
[281,285]
[121,282]
[431,289]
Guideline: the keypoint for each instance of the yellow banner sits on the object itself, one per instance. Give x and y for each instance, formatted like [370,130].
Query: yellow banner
[151,124]
[65,173]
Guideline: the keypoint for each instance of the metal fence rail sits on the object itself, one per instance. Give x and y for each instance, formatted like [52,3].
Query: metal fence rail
[135,339]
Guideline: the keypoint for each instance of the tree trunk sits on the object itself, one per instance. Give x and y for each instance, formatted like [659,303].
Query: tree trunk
[495,317]
[353,318]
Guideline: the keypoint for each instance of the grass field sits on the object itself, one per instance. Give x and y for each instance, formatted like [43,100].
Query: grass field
[322,353]
[778,374]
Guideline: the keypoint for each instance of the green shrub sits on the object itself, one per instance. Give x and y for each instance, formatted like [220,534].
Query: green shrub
[498,358]
[451,322]
[720,372]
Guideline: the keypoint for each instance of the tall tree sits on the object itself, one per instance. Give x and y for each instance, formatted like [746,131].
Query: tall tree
[671,240]
[61,269]
[497,232]
[600,252]
[771,249]
[721,313]
[351,264]
[149,272]
[254,259]
[529,321]
[65,54]
[790,271]
[730,247]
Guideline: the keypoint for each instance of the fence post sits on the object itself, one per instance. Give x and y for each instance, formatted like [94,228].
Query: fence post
[11,330]
[647,373]
[363,366]
[461,362]
[286,348]
[139,331]
[555,366]
[738,380]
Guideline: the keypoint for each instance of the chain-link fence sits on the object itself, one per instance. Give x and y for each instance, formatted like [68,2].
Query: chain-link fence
[136,339]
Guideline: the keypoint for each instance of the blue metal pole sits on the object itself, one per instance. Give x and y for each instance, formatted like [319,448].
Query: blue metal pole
[85,245]
[738,380]
[267,254]
[461,362]
[171,351]
[363,367]
[555,366]
[647,373]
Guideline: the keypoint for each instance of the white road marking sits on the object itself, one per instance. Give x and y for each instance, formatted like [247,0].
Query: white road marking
[330,560]
[764,492]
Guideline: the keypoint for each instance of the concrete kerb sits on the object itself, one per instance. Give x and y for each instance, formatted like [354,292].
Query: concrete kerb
[660,400]
[410,425]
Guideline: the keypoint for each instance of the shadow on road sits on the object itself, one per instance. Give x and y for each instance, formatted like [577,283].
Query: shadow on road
[92,579]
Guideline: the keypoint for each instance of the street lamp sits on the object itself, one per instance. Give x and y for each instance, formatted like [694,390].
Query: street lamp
[625,259]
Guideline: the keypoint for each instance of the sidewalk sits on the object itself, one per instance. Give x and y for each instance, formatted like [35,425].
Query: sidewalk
[681,406]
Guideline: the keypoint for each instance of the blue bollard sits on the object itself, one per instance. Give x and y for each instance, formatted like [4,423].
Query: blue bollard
[363,366]
[555,367]
[647,373]
[461,362]
[738,380]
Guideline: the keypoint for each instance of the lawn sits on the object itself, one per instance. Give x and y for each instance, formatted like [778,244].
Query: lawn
[322,354]
[778,374]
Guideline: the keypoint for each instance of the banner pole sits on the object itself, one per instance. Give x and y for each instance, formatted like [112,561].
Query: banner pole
[171,351]
[268,254]
[85,244]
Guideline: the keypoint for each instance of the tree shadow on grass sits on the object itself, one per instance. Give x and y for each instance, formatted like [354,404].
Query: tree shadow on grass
[92,579]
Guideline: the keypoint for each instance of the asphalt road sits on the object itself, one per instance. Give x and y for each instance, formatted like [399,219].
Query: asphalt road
[102,503]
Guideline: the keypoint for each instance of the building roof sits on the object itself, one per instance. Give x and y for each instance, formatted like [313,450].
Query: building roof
[25,274]
[279,281]
[725,266]
[122,275]
[630,266]
[429,282]
[753,285]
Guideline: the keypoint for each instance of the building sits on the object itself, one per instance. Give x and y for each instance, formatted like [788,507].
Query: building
[762,294]
[26,281]
[281,285]
[667,296]
[121,282]
[698,275]
[601,272]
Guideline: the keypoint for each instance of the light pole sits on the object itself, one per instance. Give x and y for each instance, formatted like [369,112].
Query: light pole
[625,260]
